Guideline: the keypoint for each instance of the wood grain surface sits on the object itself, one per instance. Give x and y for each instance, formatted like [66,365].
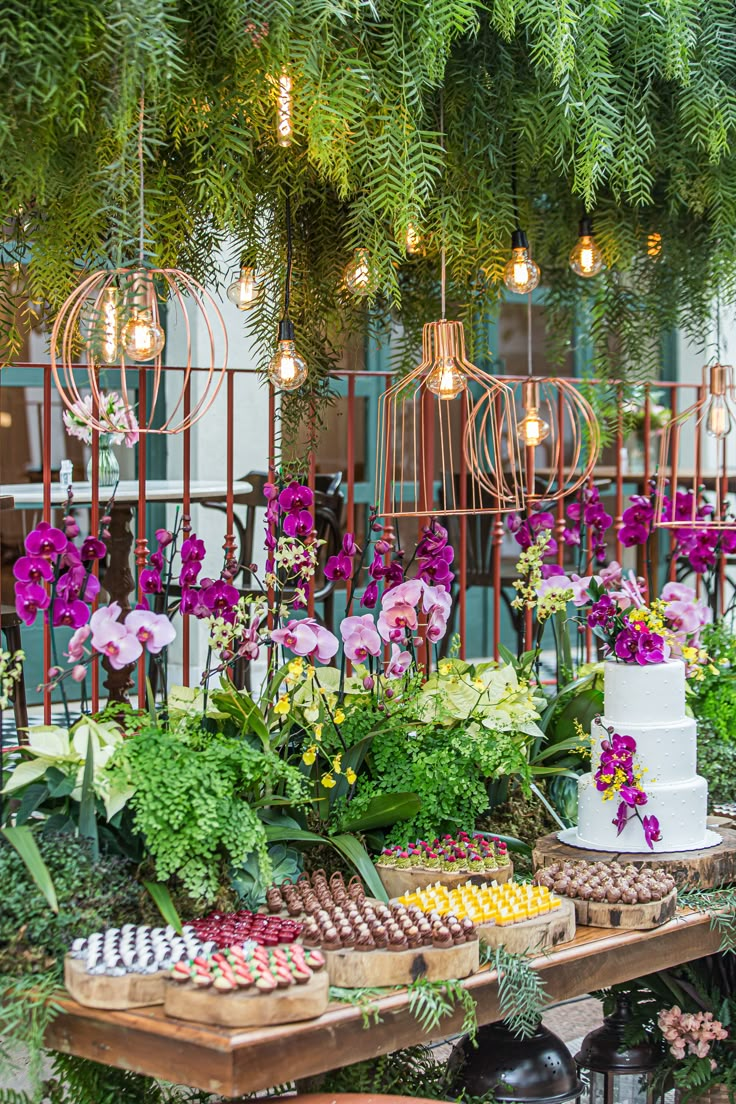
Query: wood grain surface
[351,969]
[533,936]
[398,882]
[248,1007]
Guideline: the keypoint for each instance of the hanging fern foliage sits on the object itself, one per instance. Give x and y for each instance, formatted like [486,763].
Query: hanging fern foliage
[550,108]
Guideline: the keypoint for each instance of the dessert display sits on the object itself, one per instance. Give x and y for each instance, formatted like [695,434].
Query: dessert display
[369,943]
[447,860]
[609,894]
[516,916]
[249,984]
[224,929]
[662,805]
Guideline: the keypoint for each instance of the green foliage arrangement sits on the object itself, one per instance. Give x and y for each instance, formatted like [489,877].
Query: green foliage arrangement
[625,109]
[713,698]
[414,1071]
[197,798]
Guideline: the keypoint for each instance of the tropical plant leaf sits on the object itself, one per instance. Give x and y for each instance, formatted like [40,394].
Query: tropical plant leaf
[239,705]
[346,844]
[22,839]
[87,804]
[164,903]
[383,811]
[33,797]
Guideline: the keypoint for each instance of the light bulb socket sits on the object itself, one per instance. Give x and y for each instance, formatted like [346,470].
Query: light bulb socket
[585,227]
[530,394]
[718,377]
[286,330]
[519,240]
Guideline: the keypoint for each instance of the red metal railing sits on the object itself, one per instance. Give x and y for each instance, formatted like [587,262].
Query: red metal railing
[679,395]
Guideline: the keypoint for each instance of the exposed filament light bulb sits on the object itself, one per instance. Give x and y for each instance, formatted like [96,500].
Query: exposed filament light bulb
[446,379]
[287,370]
[357,273]
[105,323]
[718,418]
[284,127]
[142,337]
[586,258]
[246,291]
[532,429]
[413,241]
[521,273]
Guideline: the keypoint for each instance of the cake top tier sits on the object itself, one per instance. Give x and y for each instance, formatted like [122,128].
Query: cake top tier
[650,694]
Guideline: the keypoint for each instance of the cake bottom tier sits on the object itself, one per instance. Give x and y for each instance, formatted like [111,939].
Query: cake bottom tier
[680,807]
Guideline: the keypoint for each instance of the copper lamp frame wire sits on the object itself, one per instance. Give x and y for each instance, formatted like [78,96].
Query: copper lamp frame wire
[717,383]
[136,287]
[418,427]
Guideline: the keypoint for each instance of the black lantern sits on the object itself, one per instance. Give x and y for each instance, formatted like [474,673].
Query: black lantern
[617,1073]
[537,1070]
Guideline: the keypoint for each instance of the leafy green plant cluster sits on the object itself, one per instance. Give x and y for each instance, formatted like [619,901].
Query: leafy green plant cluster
[197,799]
[547,110]
[713,700]
[91,895]
[414,1071]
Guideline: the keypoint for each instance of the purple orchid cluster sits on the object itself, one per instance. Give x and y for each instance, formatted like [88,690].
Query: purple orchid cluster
[700,546]
[618,776]
[586,511]
[55,578]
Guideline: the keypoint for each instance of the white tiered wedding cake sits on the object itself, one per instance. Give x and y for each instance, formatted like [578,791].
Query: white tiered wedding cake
[647,704]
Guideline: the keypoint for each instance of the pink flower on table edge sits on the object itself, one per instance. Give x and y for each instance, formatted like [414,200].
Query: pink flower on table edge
[75,649]
[45,541]
[339,566]
[150,581]
[307,638]
[360,637]
[33,569]
[298,524]
[112,638]
[652,834]
[192,549]
[295,498]
[153,630]
[73,614]
[398,664]
[29,599]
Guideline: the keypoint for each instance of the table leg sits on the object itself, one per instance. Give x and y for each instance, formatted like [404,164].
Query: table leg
[119,583]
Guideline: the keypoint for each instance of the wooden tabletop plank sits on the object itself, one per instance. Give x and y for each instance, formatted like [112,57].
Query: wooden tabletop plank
[234,1062]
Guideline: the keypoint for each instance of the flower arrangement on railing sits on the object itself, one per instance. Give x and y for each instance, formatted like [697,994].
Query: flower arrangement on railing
[620,777]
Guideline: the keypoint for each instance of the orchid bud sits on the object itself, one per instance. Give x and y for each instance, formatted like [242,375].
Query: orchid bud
[368,682]
[382,547]
[54,672]
[105,520]
[164,537]
[105,534]
[79,672]
[389,692]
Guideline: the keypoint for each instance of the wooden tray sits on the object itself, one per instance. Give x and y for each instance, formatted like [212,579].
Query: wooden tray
[639,917]
[350,969]
[248,1007]
[398,882]
[113,993]
[537,934]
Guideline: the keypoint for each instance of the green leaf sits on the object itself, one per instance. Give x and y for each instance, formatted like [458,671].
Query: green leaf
[346,844]
[506,655]
[23,840]
[59,784]
[33,797]
[164,903]
[383,811]
[511,842]
[239,705]
[87,810]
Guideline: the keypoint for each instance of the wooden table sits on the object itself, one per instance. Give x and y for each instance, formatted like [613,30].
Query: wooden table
[119,581]
[234,1062]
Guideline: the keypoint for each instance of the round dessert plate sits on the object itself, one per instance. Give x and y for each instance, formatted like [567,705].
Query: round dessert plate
[571,838]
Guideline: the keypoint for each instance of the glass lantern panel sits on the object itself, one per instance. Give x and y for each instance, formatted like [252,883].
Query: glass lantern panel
[630,1088]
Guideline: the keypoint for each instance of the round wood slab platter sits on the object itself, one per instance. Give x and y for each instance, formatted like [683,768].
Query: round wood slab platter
[706,869]
[248,1007]
[350,969]
[113,993]
[397,882]
[537,934]
[638,917]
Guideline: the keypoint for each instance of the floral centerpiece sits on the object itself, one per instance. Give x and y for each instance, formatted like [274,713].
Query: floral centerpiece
[114,413]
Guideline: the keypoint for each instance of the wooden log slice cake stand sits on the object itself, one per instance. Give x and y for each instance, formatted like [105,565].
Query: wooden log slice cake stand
[535,935]
[248,1007]
[707,869]
[113,993]
[639,917]
[398,881]
[351,969]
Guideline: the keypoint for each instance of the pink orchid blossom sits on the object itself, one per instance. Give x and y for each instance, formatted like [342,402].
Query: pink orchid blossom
[436,597]
[112,639]
[360,637]
[678,592]
[307,638]
[153,630]
[79,672]
[580,587]
[398,664]
[76,649]
[436,625]
[610,575]
[399,610]
[553,582]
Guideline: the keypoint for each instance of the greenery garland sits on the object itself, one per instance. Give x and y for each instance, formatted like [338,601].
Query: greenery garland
[623,108]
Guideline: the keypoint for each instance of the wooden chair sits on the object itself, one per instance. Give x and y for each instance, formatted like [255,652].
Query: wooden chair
[10,624]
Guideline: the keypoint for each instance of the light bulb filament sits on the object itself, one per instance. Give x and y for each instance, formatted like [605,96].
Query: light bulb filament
[284,123]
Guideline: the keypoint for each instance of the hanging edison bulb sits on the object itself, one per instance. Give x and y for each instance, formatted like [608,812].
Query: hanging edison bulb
[103,325]
[446,380]
[287,370]
[532,428]
[586,258]
[284,126]
[412,241]
[654,245]
[521,273]
[718,421]
[358,275]
[142,337]
[246,291]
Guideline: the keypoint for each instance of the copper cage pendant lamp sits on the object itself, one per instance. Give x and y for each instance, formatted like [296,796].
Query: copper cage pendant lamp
[113,319]
[699,436]
[557,420]
[427,434]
